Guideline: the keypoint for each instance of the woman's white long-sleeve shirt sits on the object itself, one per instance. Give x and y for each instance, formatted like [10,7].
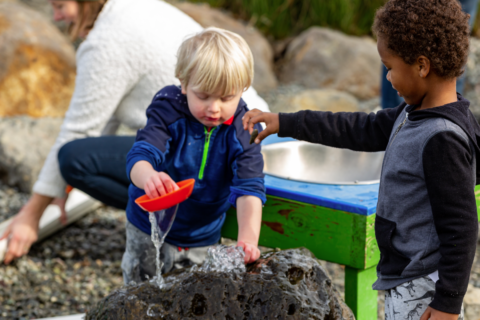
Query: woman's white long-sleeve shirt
[127,57]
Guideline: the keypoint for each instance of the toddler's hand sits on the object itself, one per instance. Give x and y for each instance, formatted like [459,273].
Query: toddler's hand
[159,184]
[255,116]
[251,251]
[434,314]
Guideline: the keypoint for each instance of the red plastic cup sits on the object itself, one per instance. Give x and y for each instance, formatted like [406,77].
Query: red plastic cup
[168,200]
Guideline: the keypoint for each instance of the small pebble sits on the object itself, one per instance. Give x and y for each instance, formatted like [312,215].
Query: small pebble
[253,136]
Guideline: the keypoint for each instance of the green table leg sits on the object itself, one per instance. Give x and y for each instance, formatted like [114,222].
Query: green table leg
[359,295]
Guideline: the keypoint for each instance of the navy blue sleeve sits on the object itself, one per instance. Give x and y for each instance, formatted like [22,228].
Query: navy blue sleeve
[357,131]
[247,166]
[143,151]
[447,165]
[160,114]
[152,142]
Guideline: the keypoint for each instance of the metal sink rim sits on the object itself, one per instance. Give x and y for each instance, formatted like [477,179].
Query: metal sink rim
[286,177]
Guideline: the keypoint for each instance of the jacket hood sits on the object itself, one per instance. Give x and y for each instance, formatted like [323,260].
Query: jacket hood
[459,113]
[179,101]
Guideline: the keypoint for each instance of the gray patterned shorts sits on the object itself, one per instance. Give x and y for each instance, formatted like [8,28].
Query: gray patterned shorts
[409,301]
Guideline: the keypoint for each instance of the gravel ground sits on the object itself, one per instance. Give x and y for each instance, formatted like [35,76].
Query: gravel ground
[67,272]
[72,269]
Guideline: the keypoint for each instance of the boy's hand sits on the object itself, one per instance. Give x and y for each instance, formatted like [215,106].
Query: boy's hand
[251,251]
[434,314]
[255,116]
[159,184]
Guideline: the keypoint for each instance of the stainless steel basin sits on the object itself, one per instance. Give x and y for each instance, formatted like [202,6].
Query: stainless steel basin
[315,163]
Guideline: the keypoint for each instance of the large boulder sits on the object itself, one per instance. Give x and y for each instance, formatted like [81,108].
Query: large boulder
[472,77]
[24,145]
[316,100]
[471,303]
[288,284]
[264,79]
[324,58]
[37,64]
[43,7]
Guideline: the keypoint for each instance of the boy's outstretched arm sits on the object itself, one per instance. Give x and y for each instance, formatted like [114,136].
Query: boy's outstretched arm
[357,131]
[249,217]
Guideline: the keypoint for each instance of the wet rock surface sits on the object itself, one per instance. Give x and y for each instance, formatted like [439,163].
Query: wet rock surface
[289,284]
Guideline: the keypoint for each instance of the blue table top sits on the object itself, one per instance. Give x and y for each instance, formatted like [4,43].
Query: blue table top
[361,199]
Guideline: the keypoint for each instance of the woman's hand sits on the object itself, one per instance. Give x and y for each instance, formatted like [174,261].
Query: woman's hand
[23,230]
[434,314]
[251,251]
[255,116]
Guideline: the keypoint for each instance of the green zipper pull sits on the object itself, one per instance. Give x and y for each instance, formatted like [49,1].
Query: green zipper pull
[205,151]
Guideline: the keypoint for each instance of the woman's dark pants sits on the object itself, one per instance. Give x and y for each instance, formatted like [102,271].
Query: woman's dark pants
[97,166]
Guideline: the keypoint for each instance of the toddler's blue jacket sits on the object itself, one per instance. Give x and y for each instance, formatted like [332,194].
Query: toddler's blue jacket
[222,162]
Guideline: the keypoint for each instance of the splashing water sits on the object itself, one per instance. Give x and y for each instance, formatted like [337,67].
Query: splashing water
[222,258]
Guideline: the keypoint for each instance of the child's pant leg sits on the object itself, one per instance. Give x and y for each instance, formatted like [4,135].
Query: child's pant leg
[410,300]
[138,261]
[174,258]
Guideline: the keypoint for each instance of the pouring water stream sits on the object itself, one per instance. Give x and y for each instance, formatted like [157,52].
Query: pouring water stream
[161,222]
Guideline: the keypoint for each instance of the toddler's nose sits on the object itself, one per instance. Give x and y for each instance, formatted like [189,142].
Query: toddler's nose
[214,107]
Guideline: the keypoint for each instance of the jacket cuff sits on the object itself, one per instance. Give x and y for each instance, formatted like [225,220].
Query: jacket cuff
[447,302]
[132,161]
[288,124]
[237,193]
[56,190]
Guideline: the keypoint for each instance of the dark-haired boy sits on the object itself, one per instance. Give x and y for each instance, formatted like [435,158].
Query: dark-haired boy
[426,223]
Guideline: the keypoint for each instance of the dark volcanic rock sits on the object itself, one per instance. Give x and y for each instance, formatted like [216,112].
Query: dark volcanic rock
[288,284]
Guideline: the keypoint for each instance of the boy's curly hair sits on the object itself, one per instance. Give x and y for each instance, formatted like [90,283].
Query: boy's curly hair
[437,29]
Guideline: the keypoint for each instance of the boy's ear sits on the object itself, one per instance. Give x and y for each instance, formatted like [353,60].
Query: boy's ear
[184,89]
[423,66]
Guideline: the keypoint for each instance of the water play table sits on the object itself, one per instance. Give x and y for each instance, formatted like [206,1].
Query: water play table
[335,222]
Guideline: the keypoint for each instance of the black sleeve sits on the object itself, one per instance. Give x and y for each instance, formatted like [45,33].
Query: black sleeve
[357,131]
[447,165]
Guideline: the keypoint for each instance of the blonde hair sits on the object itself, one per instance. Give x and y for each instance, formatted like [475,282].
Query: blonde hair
[215,61]
[87,14]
